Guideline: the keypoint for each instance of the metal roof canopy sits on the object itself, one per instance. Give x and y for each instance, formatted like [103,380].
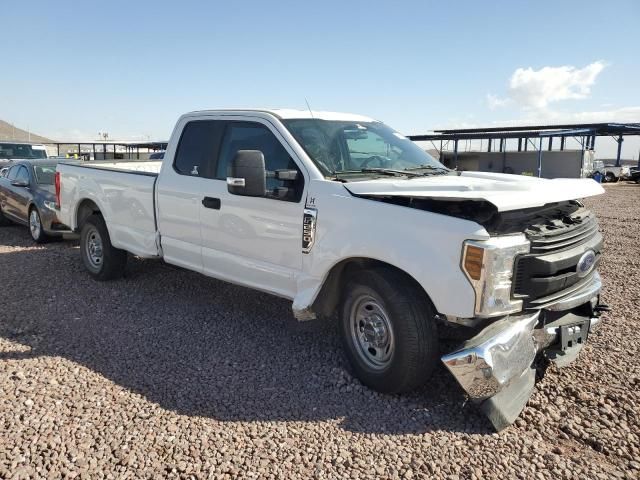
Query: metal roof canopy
[601,128]
[586,131]
[130,146]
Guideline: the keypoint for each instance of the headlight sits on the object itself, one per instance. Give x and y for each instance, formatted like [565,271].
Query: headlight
[489,267]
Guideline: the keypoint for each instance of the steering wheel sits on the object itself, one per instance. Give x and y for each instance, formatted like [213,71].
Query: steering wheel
[374,158]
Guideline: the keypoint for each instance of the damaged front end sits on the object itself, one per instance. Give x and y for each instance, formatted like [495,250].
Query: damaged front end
[496,367]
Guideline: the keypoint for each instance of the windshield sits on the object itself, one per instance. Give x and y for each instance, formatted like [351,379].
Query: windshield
[19,150]
[340,146]
[45,174]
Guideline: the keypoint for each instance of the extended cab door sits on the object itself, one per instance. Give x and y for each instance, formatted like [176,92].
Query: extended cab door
[253,241]
[181,187]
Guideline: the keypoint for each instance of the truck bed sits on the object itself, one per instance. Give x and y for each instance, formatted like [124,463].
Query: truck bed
[124,193]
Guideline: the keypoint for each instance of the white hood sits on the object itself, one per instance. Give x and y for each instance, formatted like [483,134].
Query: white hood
[505,191]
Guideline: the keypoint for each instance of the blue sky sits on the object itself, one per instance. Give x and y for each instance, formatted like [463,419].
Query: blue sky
[131,68]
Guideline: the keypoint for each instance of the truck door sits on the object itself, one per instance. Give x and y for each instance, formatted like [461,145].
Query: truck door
[181,186]
[253,241]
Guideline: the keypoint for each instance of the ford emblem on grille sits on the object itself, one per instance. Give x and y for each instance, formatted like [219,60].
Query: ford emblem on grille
[586,262]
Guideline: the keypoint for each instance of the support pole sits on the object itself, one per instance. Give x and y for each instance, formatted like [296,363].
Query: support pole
[562,142]
[540,159]
[519,144]
[502,144]
[455,152]
[550,143]
[620,140]
[489,145]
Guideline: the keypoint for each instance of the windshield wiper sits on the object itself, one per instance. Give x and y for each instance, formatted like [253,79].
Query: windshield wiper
[382,171]
[434,170]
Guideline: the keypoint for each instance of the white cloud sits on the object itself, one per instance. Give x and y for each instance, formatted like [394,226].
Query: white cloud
[536,89]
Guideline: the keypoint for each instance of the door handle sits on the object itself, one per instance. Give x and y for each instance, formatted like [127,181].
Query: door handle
[210,202]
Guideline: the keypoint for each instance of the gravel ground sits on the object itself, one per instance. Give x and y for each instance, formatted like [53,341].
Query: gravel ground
[170,374]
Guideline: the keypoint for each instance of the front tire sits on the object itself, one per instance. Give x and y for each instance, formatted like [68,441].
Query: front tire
[388,330]
[100,258]
[35,226]
[610,177]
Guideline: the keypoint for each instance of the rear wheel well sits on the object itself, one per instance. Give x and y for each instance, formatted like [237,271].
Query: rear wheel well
[328,299]
[85,210]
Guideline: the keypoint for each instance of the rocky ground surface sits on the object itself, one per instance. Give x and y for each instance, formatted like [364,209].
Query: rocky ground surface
[169,374]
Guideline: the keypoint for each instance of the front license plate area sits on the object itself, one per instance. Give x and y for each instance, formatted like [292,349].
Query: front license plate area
[573,335]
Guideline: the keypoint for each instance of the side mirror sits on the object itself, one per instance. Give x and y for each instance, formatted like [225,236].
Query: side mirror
[19,183]
[247,175]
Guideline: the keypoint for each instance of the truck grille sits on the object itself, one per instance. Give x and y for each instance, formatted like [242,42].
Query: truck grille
[550,268]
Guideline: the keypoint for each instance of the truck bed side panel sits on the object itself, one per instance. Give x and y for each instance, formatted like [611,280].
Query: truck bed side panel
[125,199]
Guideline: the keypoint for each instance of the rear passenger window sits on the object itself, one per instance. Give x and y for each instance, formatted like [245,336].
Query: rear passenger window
[255,136]
[198,148]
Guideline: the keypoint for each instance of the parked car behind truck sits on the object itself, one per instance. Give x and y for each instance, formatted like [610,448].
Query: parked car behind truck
[27,197]
[343,215]
[610,173]
[11,151]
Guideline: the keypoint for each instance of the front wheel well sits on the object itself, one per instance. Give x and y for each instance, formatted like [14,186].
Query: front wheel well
[330,293]
[85,210]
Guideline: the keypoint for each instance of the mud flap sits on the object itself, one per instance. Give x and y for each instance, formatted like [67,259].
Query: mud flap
[504,407]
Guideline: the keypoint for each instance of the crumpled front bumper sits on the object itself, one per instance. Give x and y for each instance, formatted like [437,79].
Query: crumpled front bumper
[495,367]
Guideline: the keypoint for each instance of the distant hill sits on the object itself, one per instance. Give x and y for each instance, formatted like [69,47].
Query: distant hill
[10,132]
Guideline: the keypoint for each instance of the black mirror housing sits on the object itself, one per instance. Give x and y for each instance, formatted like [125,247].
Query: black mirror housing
[247,175]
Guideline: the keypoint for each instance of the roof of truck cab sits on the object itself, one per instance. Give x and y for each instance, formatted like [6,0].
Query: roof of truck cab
[286,114]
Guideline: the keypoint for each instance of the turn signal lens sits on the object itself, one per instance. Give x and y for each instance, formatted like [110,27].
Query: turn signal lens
[473,261]
[57,186]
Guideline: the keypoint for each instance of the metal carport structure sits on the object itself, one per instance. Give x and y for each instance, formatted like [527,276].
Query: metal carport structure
[584,133]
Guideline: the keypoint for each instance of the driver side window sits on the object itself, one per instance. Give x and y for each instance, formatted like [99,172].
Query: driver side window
[23,175]
[13,172]
[255,136]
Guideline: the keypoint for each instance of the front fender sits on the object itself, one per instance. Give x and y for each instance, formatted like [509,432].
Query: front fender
[425,245]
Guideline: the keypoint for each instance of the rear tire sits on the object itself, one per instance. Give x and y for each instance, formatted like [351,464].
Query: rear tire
[100,258]
[388,330]
[35,226]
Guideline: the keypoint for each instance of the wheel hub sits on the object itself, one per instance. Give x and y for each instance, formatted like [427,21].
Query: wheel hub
[34,224]
[374,331]
[94,248]
[371,332]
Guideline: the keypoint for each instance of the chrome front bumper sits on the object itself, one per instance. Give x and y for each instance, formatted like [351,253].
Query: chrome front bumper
[495,368]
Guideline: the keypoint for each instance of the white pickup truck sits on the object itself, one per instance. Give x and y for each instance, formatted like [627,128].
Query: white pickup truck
[349,219]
